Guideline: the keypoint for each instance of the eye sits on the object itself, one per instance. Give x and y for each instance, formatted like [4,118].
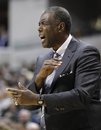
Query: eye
[44,23]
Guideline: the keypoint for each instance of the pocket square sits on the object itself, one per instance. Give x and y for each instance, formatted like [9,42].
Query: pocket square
[64,74]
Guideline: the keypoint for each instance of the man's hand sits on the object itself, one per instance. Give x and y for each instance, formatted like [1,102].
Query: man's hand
[47,69]
[22,96]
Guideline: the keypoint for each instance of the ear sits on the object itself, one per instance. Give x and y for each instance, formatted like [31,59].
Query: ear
[61,27]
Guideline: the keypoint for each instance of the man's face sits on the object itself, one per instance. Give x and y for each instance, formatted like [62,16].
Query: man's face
[48,30]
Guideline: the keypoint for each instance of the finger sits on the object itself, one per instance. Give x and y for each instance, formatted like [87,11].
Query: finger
[20,86]
[11,91]
[53,63]
[56,63]
[17,96]
[57,59]
[7,89]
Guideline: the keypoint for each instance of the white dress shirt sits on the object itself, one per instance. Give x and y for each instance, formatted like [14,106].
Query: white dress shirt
[49,79]
[61,50]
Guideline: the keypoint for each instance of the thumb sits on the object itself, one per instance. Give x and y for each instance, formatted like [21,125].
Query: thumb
[20,86]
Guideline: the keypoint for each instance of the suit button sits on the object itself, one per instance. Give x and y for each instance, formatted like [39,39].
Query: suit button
[62,109]
[57,109]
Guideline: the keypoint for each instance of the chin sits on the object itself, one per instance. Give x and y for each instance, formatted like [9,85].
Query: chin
[45,45]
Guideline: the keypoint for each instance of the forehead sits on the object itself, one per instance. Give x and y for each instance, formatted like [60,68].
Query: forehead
[47,17]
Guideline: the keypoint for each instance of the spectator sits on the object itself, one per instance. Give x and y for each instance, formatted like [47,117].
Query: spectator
[32,126]
[3,37]
[24,116]
[4,126]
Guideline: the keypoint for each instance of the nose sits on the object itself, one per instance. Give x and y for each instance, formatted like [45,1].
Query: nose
[40,28]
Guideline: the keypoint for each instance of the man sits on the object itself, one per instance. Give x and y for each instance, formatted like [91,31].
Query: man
[68,85]
[24,116]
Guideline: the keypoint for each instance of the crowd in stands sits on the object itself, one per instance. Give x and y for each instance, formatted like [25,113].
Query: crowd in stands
[16,117]
[3,36]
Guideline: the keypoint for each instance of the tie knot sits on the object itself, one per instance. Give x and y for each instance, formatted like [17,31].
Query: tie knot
[56,55]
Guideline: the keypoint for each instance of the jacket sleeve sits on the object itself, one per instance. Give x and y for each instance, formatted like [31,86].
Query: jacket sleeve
[32,86]
[86,84]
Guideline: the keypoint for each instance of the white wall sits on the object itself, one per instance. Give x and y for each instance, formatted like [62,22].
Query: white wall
[25,44]
[23,21]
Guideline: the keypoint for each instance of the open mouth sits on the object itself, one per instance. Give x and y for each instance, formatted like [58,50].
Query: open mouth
[42,38]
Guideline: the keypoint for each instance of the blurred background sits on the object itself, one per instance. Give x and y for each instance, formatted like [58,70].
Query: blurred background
[19,41]
[20,46]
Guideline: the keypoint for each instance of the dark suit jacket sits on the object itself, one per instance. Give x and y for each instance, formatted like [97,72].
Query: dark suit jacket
[73,98]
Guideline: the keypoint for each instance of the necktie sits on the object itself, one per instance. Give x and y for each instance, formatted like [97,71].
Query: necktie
[56,55]
[48,82]
[50,78]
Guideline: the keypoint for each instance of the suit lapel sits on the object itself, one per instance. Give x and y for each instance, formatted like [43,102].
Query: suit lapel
[66,59]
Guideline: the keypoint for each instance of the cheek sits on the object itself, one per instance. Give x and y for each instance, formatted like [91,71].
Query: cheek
[50,37]
[53,38]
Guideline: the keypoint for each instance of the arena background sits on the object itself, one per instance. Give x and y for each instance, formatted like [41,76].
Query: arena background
[20,19]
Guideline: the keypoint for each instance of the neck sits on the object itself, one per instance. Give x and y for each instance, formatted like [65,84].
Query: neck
[61,41]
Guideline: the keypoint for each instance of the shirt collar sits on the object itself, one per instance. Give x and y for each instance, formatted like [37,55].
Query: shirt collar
[62,48]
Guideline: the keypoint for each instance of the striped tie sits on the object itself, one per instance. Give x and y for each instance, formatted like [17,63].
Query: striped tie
[50,78]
